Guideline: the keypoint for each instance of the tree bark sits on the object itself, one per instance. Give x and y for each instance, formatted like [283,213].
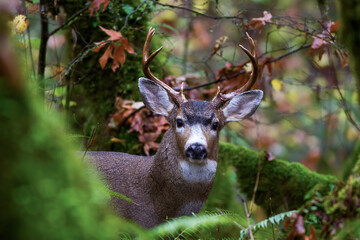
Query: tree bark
[43,44]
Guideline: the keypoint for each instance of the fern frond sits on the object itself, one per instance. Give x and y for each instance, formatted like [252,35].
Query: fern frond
[274,220]
[187,226]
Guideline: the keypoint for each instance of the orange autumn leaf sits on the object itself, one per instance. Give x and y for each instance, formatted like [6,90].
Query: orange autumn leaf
[105,57]
[96,5]
[334,27]
[317,46]
[115,50]
[322,40]
[258,23]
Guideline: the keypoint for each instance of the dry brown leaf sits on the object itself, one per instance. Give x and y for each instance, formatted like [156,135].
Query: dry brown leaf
[343,57]
[334,26]
[219,42]
[115,50]
[322,40]
[96,5]
[147,125]
[317,46]
[258,23]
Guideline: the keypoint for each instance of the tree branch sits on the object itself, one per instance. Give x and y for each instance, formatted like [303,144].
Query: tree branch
[198,13]
[244,71]
[68,20]
[127,17]
[43,44]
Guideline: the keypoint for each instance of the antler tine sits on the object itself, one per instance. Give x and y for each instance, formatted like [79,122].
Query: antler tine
[146,68]
[220,99]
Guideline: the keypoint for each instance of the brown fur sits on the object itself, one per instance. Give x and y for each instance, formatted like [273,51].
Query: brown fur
[155,183]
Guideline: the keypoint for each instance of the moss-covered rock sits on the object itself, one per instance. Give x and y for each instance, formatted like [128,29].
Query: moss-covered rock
[282,185]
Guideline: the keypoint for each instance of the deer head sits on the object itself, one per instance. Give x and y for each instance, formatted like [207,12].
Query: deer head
[196,124]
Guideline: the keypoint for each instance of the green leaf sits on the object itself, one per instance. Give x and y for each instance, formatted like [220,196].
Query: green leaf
[128,8]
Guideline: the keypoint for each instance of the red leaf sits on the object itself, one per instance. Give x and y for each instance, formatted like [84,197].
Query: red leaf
[258,23]
[101,45]
[119,51]
[334,27]
[105,57]
[114,35]
[96,5]
[119,55]
[312,233]
[317,46]
[125,43]
[317,43]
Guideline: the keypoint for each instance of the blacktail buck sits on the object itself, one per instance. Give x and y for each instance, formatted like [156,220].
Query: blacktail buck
[177,180]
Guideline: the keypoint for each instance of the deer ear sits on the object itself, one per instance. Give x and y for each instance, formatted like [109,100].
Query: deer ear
[242,105]
[155,97]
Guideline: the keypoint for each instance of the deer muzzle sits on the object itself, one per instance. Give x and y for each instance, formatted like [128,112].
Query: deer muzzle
[196,151]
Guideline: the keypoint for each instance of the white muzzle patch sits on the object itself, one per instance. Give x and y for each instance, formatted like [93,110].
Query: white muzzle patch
[194,172]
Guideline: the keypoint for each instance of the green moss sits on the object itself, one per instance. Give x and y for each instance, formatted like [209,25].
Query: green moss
[351,161]
[46,191]
[281,185]
[96,89]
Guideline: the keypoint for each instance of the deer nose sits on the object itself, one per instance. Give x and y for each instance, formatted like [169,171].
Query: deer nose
[196,151]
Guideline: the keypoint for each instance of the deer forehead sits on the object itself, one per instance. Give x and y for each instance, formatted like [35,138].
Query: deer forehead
[195,112]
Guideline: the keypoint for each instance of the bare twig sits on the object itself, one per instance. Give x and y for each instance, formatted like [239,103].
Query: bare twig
[256,184]
[248,219]
[289,53]
[347,110]
[198,13]
[127,17]
[69,20]
[342,99]
[244,71]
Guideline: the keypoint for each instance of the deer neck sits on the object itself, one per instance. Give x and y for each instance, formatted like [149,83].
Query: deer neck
[177,187]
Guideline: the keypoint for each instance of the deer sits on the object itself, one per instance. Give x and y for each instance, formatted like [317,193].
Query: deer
[177,180]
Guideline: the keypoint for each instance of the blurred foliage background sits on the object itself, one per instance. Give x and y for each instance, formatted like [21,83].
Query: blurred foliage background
[308,58]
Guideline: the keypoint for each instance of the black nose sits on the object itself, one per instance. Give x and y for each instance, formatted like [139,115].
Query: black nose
[196,151]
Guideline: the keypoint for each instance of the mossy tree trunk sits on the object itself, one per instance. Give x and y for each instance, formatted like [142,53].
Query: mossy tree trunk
[46,191]
[96,89]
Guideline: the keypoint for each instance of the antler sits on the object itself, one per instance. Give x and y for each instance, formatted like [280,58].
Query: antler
[177,97]
[220,98]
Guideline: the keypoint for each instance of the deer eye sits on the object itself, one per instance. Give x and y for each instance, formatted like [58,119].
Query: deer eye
[179,123]
[214,126]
